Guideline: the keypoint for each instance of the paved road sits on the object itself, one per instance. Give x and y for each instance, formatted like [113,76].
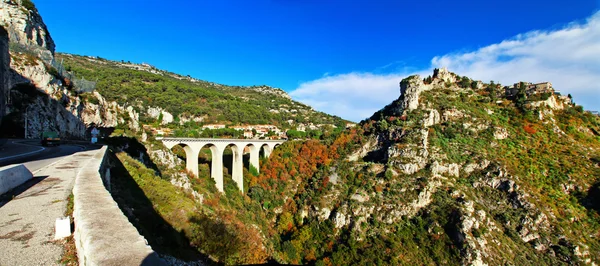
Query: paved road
[28,213]
[31,154]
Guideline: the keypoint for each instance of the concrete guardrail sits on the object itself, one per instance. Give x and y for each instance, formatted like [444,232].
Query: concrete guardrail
[13,176]
[103,234]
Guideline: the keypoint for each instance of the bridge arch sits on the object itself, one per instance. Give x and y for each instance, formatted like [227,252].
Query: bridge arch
[192,148]
[191,156]
[254,151]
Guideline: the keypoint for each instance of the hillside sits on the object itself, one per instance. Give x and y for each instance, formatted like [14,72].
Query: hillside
[185,99]
[453,172]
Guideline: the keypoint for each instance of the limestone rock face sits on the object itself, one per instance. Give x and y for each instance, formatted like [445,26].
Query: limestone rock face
[551,103]
[442,74]
[47,114]
[500,133]
[432,118]
[25,26]
[103,114]
[410,89]
[35,73]
[156,112]
[274,91]
[4,71]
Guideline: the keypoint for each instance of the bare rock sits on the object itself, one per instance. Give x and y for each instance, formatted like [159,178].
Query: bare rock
[452,169]
[452,114]
[273,91]
[444,75]
[340,219]
[551,103]
[25,26]
[432,118]
[362,152]
[471,167]
[410,89]
[360,197]
[157,112]
[4,71]
[500,133]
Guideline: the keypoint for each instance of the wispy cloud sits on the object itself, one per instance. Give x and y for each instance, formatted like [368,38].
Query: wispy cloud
[568,57]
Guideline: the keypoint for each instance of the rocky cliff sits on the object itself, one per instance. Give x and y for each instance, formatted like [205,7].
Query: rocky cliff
[38,89]
[26,27]
[4,71]
[33,85]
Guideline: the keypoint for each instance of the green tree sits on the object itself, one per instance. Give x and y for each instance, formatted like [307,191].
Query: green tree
[521,97]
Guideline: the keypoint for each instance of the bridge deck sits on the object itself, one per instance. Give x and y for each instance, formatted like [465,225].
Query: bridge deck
[219,140]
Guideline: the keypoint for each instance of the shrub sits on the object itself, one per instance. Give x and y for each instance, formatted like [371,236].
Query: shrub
[529,129]
[474,84]
[465,82]
[27,4]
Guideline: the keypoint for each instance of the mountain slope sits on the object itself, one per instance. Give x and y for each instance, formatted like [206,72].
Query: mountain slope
[187,99]
[453,172]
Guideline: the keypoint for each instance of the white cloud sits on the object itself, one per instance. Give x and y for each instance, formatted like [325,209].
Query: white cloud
[567,57]
[352,96]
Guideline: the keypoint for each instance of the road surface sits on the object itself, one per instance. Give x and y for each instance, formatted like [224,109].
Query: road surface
[31,153]
[28,212]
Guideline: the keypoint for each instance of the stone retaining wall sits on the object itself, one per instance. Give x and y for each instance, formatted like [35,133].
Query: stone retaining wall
[103,234]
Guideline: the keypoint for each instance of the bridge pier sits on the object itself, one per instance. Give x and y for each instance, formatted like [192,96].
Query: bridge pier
[254,157]
[190,164]
[237,173]
[216,168]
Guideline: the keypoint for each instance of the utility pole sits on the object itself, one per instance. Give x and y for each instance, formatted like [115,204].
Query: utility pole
[26,120]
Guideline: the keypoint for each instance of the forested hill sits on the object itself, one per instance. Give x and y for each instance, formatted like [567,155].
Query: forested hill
[182,96]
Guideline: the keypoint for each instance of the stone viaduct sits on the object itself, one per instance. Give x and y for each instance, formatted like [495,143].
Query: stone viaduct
[192,148]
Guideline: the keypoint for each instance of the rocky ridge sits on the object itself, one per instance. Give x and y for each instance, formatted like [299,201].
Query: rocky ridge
[444,153]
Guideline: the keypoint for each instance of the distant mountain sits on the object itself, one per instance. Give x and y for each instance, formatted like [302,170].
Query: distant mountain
[183,98]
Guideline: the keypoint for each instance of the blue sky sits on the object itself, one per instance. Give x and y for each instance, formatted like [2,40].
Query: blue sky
[331,53]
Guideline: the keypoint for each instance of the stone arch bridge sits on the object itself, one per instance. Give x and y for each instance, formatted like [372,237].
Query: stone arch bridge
[192,147]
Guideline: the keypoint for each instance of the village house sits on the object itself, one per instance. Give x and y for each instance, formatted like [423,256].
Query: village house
[248,134]
[530,89]
[259,131]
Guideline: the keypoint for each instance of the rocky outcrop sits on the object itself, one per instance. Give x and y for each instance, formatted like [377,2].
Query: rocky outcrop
[443,75]
[26,27]
[29,73]
[159,113]
[273,91]
[410,89]
[4,71]
[33,70]
[500,133]
[551,103]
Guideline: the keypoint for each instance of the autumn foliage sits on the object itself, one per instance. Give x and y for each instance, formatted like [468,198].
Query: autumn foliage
[529,129]
[300,160]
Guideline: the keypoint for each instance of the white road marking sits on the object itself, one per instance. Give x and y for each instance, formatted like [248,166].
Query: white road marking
[22,154]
